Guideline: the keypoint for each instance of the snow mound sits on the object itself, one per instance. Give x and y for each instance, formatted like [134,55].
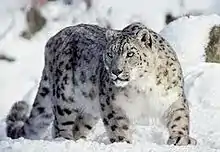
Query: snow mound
[189,37]
[203,85]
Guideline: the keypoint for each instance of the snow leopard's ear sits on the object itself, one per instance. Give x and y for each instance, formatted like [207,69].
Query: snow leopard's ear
[140,32]
[111,34]
[144,37]
[134,27]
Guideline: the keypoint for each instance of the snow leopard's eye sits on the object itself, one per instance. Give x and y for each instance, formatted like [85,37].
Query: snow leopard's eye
[130,54]
[110,55]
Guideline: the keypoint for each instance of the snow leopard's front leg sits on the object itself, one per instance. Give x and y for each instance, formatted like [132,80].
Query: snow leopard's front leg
[116,122]
[114,119]
[178,124]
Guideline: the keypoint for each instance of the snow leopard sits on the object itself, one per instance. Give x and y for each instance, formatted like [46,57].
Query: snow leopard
[94,73]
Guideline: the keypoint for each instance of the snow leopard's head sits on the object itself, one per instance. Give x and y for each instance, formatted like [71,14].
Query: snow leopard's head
[127,53]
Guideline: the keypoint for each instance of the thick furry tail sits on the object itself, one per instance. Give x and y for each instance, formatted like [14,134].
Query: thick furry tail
[16,118]
[34,124]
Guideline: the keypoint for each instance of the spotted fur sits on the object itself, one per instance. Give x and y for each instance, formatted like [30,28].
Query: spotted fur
[119,75]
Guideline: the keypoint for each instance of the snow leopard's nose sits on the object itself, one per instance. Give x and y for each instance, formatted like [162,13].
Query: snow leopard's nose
[117,72]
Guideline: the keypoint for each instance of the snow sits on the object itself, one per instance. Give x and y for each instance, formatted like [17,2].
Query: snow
[187,35]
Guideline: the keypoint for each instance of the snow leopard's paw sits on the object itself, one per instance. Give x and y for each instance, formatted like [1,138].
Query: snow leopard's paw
[181,140]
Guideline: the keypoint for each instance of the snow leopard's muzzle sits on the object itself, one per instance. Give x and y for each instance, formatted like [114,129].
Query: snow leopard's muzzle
[119,77]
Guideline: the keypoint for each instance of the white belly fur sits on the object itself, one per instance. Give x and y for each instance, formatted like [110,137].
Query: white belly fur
[150,103]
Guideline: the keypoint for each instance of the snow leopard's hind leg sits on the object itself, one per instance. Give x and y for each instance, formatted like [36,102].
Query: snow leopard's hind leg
[71,121]
[33,126]
[178,124]
[64,107]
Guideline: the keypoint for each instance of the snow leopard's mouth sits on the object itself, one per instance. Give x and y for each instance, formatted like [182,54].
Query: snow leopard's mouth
[117,78]
[120,79]
[119,82]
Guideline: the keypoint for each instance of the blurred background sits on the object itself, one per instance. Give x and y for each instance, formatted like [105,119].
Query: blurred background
[26,25]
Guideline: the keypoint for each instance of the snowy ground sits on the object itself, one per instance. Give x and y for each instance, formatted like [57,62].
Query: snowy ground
[188,36]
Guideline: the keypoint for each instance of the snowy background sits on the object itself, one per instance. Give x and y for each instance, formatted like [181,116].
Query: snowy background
[188,36]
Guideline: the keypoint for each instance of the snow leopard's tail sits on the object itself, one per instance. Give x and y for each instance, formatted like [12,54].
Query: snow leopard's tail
[34,125]
[18,115]
[16,119]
